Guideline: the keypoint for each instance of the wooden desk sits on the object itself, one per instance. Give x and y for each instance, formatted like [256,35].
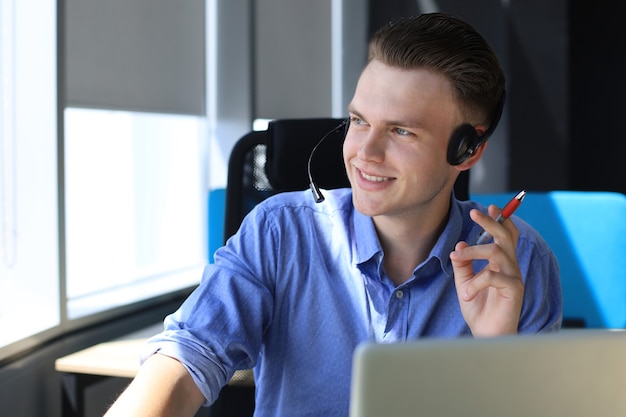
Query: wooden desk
[118,358]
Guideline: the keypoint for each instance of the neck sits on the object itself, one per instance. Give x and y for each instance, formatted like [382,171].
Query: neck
[407,240]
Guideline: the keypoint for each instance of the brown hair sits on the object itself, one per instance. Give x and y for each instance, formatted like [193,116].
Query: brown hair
[448,46]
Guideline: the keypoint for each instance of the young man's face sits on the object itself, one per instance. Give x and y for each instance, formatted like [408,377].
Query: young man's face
[395,149]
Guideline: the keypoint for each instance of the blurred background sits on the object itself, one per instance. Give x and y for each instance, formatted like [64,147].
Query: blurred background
[118,119]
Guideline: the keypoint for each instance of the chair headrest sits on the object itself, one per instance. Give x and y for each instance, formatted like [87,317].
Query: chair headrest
[289,144]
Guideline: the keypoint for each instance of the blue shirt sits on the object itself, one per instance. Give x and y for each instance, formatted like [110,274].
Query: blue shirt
[302,284]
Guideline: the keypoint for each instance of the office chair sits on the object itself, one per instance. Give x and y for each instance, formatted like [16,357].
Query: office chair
[267,162]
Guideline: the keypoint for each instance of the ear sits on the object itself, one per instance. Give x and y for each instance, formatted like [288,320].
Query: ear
[480,130]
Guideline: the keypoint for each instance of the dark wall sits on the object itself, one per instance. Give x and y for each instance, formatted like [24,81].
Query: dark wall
[539,129]
[597,91]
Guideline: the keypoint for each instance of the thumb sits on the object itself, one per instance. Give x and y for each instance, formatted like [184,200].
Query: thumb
[461,264]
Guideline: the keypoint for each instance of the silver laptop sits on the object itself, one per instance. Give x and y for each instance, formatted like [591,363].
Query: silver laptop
[574,373]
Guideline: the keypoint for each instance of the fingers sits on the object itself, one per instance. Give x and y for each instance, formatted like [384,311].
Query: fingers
[461,264]
[501,273]
[490,299]
[504,234]
[500,255]
[507,286]
[463,271]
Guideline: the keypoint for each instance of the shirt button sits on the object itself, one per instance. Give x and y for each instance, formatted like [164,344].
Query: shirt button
[399,294]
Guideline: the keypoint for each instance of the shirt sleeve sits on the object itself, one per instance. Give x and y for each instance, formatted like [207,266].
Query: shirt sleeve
[542,310]
[219,328]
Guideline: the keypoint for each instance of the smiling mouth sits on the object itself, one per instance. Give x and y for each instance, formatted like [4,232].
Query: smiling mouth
[373,178]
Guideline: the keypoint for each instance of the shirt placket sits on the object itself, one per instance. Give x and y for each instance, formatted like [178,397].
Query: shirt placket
[397,315]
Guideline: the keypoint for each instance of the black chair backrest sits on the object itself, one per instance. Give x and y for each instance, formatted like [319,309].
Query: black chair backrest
[263,163]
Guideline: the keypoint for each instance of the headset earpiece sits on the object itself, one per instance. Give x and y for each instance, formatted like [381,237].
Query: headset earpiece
[464,140]
[463,143]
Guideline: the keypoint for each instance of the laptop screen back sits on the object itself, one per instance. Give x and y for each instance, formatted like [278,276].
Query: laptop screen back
[575,373]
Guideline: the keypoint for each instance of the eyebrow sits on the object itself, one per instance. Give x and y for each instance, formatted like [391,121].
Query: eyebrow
[413,124]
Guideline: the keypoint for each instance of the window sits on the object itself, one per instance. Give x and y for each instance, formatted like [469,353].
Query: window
[134,155]
[134,206]
[113,210]
[29,249]
[118,217]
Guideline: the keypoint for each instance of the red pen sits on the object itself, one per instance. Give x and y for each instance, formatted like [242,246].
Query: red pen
[506,212]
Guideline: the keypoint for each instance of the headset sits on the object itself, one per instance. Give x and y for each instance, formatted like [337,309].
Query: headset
[464,141]
[317,194]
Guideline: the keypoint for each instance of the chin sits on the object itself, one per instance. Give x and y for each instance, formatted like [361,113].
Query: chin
[367,206]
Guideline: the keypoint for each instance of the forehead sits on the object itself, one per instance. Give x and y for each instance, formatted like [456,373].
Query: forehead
[412,95]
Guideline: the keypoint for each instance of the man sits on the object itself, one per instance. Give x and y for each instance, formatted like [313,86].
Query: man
[391,259]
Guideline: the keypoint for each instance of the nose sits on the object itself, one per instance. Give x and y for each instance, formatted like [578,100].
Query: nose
[372,146]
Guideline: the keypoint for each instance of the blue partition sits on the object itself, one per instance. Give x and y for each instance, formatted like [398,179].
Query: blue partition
[216,207]
[587,232]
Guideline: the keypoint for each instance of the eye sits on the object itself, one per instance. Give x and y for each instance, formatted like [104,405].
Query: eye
[403,132]
[356,121]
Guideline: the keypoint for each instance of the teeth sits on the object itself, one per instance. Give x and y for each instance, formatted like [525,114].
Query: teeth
[373,178]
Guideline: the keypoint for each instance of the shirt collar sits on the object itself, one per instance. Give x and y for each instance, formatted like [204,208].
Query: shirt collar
[366,241]
[448,239]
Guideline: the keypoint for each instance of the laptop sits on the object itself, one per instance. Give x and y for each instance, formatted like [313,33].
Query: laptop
[574,373]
